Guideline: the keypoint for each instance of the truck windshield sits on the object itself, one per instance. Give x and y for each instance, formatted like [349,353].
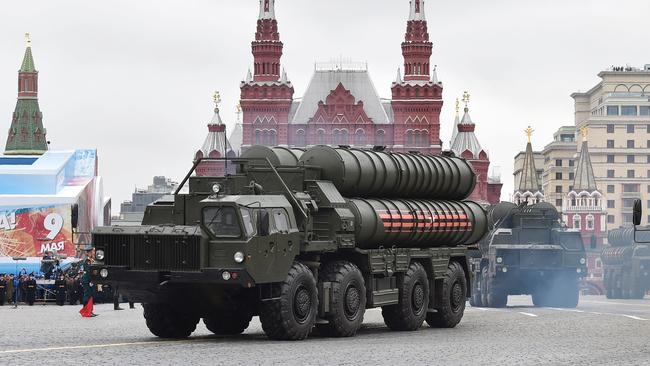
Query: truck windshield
[222,221]
[248,217]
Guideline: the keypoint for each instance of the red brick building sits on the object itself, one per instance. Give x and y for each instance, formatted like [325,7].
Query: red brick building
[341,105]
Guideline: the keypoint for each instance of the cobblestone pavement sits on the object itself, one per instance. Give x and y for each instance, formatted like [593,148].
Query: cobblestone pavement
[599,331]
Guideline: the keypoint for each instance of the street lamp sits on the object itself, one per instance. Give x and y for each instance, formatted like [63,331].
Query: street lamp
[17,288]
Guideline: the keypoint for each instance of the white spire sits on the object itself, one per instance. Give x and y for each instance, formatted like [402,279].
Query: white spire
[249,76]
[434,75]
[267,9]
[398,79]
[417,10]
[284,77]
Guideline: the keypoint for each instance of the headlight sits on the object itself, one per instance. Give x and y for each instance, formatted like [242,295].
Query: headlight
[225,275]
[499,260]
[578,270]
[103,272]
[216,188]
[504,269]
[239,257]
[99,254]
[583,261]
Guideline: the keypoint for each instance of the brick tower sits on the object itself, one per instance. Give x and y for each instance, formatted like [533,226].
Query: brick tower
[529,190]
[266,94]
[26,134]
[417,98]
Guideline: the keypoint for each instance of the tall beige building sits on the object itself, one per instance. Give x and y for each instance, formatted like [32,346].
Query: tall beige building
[616,113]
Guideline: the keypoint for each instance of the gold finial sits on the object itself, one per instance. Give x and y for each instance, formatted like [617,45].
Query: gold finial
[466,99]
[238,111]
[529,132]
[216,98]
[28,40]
[584,131]
[457,107]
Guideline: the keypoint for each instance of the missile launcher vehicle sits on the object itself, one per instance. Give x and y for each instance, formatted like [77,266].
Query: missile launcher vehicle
[527,251]
[626,264]
[302,239]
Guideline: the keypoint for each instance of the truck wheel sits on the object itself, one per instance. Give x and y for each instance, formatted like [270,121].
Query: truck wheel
[496,298]
[228,322]
[452,303]
[165,321]
[410,312]
[348,299]
[292,316]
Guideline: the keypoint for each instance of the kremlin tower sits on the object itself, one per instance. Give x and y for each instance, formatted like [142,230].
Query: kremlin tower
[528,191]
[27,136]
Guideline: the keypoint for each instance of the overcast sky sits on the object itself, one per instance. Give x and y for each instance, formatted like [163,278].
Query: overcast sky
[134,79]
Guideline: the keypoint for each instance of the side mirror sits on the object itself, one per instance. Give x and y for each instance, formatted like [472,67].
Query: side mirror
[637,212]
[74,216]
[263,223]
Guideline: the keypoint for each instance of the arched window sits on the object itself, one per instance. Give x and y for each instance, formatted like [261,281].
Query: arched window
[359,138]
[345,137]
[273,137]
[381,138]
[590,222]
[320,135]
[258,137]
[301,141]
[424,138]
[576,221]
[410,137]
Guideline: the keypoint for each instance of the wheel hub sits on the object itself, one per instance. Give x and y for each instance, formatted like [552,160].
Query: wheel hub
[302,304]
[352,301]
[418,297]
[457,296]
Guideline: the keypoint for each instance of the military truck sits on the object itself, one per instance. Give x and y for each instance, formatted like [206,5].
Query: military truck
[302,239]
[527,251]
[626,264]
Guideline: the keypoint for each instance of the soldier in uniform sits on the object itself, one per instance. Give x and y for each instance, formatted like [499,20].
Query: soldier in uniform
[72,287]
[88,291]
[60,288]
[30,289]
[3,288]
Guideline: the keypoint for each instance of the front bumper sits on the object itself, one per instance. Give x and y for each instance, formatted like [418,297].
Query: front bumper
[135,279]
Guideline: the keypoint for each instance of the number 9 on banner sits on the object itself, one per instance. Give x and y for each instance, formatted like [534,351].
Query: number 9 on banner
[54,223]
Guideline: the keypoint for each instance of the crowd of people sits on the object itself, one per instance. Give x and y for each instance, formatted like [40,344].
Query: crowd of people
[72,286]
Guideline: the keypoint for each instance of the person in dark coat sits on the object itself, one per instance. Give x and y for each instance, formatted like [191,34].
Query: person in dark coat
[30,290]
[60,288]
[72,290]
[10,288]
[3,289]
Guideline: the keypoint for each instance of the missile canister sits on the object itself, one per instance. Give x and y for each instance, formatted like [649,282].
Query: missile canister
[367,173]
[278,156]
[622,237]
[416,223]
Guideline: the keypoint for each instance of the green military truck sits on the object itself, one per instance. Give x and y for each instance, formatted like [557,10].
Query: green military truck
[302,239]
[626,264]
[527,251]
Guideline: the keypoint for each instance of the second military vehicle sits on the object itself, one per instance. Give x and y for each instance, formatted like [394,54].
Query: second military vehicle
[626,264]
[302,239]
[527,251]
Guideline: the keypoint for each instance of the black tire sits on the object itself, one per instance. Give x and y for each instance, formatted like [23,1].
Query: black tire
[228,322]
[348,299]
[496,297]
[454,296]
[165,321]
[410,312]
[292,316]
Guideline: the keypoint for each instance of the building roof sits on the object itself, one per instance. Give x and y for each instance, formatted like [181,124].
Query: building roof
[584,174]
[216,139]
[465,138]
[358,82]
[236,139]
[529,181]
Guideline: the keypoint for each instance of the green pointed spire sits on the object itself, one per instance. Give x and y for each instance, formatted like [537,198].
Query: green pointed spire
[28,59]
